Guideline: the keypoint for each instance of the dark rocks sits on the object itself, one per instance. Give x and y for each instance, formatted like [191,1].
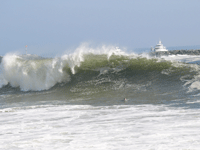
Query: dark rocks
[185,52]
[176,52]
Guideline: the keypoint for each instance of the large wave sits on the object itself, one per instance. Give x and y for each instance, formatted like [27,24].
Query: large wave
[107,64]
[31,72]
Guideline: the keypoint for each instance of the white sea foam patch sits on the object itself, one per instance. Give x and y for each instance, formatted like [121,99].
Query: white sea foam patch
[32,74]
[194,83]
[183,58]
[101,127]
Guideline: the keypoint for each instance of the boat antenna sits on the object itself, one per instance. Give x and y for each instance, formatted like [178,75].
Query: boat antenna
[26,49]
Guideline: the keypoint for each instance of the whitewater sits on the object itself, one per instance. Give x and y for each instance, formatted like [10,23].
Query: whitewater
[76,101]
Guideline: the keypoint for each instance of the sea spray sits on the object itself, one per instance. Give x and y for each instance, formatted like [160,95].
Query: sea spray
[32,74]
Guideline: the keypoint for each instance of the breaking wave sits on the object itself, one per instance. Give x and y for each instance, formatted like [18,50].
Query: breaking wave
[105,68]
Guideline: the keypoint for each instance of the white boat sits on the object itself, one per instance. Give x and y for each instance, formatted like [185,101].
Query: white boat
[159,48]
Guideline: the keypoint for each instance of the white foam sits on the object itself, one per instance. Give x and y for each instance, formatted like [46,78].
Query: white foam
[28,74]
[103,127]
[183,58]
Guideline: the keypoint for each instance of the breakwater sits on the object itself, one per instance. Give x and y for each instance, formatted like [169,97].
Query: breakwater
[177,52]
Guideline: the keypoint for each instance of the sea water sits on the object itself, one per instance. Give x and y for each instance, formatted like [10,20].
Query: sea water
[76,101]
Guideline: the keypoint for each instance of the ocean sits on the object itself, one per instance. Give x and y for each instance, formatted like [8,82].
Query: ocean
[76,101]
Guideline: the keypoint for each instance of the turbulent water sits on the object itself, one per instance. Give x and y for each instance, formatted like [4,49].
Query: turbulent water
[76,101]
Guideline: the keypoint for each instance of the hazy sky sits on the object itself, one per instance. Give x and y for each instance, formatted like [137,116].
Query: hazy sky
[55,26]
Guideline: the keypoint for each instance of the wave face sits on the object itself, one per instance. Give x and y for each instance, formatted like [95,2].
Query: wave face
[106,71]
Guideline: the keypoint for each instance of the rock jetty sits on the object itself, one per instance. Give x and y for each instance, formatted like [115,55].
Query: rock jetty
[176,52]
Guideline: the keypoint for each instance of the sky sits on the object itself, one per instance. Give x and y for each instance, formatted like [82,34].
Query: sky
[57,26]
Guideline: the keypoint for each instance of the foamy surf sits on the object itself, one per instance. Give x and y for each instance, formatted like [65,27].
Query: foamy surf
[101,127]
